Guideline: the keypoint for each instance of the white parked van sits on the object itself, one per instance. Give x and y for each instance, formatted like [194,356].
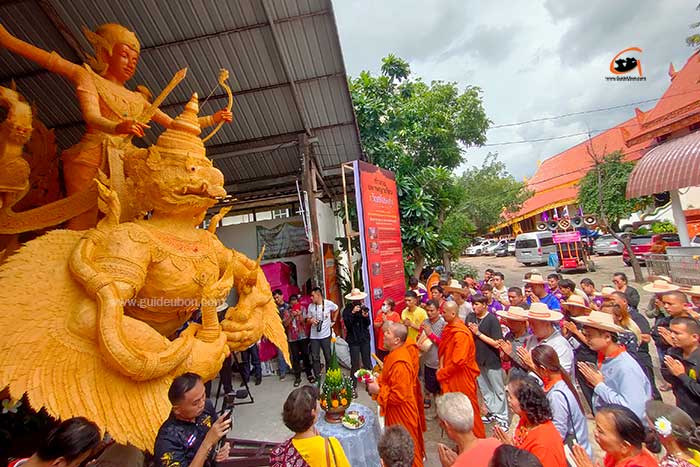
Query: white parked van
[534,247]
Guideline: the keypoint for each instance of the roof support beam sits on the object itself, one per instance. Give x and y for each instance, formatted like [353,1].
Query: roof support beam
[63,29]
[285,65]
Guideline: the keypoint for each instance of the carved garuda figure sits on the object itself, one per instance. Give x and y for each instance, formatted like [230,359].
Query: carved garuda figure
[91,318]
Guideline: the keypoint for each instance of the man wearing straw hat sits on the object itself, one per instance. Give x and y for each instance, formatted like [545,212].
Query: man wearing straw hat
[541,321]
[357,322]
[617,378]
[537,293]
[694,294]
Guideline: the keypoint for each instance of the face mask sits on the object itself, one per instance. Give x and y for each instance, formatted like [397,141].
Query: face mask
[385,308]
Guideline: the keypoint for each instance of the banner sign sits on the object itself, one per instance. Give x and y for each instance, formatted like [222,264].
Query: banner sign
[380,235]
[566,237]
[283,240]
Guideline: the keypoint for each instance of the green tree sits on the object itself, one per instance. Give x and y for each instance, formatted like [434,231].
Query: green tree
[615,172]
[490,192]
[420,132]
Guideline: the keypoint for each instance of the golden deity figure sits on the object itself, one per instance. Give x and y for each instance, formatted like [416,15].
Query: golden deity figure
[113,113]
[94,318]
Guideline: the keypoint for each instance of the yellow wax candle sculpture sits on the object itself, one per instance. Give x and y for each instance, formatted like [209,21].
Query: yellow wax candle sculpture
[90,317]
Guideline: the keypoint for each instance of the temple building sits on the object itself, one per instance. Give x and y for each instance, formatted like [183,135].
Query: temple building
[555,184]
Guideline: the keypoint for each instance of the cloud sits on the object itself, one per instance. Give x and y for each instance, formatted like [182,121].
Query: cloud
[532,59]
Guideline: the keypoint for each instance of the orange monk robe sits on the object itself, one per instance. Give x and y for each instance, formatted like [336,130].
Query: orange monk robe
[400,396]
[459,370]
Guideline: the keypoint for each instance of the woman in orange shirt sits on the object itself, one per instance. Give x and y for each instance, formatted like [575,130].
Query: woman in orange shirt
[621,434]
[386,313]
[535,432]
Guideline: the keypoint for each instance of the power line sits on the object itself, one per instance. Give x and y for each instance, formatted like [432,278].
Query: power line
[583,112]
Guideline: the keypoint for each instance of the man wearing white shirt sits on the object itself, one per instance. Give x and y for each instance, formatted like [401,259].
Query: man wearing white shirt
[321,314]
[541,320]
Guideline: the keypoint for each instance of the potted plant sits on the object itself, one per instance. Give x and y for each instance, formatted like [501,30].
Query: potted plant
[336,390]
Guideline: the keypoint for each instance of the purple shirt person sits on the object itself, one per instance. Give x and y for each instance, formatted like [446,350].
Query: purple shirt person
[492,305]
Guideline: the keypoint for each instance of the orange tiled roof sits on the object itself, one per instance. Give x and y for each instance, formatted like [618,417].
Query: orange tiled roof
[680,101]
[555,179]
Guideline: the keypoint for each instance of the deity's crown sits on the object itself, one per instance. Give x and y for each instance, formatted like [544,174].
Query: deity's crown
[182,138]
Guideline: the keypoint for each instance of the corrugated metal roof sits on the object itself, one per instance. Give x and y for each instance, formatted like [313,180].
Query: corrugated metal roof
[206,35]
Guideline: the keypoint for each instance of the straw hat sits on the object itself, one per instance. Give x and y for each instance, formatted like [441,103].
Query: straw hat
[541,312]
[356,294]
[607,291]
[456,287]
[599,320]
[515,313]
[660,286]
[694,290]
[535,279]
[577,301]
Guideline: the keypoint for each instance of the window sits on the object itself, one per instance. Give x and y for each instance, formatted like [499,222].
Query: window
[263,216]
[546,241]
[237,219]
[280,213]
[529,243]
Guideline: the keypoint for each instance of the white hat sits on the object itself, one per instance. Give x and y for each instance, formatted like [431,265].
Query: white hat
[694,290]
[535,279]
[660,286]
[541,312]
[599,320]
[356,294]
[577,301]
[515,313]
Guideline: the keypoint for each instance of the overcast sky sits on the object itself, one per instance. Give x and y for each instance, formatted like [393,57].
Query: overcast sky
[532,59]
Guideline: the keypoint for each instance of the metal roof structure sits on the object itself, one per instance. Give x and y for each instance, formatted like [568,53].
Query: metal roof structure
[287,75]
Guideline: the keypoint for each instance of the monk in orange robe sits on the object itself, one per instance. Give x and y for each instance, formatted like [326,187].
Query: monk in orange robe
[458,367]
[398,390]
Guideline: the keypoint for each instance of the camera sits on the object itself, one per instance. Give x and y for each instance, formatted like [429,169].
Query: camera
[364,309]
[319,325]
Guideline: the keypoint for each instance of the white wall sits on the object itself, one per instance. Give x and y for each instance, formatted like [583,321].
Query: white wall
[242,237]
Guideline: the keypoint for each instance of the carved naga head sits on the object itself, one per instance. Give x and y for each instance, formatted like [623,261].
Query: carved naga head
[175,175]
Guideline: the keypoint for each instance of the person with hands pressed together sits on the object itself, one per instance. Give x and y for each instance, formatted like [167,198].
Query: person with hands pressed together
[536,292]
[681,365]
[487,333]
[617,378]
[516,338]
[398,390]
[413,316]
[432,328]
[456,417]
[621,434]
[458,368]
[573,308]
[541,321]
[189,435]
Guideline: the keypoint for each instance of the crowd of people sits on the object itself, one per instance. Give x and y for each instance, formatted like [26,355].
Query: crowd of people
[510,374]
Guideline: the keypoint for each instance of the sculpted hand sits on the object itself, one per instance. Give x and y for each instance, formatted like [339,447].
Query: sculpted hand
[674,366]
[131,127]
[447,455]
[223,115]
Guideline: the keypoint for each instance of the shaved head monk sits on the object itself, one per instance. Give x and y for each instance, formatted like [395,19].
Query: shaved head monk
[398,390]
[458,367]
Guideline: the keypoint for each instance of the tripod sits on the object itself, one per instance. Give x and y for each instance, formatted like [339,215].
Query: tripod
[234,359]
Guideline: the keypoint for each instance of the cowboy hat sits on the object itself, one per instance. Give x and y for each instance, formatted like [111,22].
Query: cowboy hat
[577,301]
[535,279]
[599,320]
[694,290]
[660,286]
[541,312]
[515,313]
[607,291]
[356,294]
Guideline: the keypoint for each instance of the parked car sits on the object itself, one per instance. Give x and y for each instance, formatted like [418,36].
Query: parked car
[491,250]
[534,247]
[641,245]
[695,241]
[608,245]
[511,247]
[478,249]
[500,250]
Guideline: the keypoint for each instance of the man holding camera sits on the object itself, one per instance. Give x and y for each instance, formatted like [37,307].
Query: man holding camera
[190,436]
[357,322]
[321,315]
